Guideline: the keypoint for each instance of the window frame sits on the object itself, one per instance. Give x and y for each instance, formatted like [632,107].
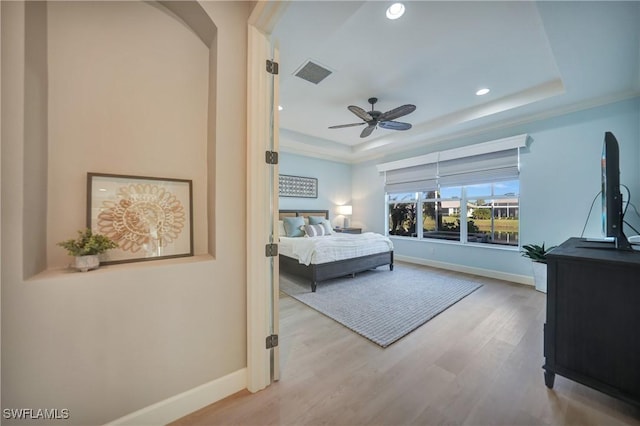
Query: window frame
[420,199]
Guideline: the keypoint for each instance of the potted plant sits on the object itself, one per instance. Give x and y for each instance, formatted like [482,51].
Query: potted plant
[538,254]
[86,249]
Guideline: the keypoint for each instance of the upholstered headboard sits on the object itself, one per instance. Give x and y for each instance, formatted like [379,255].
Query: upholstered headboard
[303,213]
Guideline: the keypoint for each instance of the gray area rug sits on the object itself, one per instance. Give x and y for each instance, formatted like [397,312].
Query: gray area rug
[382,305]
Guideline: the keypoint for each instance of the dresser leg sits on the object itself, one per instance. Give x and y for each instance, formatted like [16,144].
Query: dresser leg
[313,287]
[549,378]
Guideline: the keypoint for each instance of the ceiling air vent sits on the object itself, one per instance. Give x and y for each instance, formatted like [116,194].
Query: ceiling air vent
[312,72]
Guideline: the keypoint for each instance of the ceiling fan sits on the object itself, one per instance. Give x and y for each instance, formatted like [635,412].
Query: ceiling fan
[374,118]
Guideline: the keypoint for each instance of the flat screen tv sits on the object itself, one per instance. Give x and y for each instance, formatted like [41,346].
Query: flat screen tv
[612,205]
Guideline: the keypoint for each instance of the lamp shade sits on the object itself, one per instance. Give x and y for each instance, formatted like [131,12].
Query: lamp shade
[345,210]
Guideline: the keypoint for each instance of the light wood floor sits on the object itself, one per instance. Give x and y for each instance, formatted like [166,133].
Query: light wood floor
[477,363]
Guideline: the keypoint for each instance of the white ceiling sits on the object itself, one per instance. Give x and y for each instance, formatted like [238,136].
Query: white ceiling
[538,58]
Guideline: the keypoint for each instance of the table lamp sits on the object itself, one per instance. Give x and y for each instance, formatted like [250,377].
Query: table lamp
[346,211]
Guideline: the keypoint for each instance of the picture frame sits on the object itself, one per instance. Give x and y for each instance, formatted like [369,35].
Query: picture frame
[150,218]
[297,186]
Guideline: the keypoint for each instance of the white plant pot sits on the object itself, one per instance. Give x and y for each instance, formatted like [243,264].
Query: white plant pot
[540,276]
[86,263]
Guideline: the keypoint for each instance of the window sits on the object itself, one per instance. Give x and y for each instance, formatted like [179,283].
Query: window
[469,194]
[402,214]
[491,213]
[441,214]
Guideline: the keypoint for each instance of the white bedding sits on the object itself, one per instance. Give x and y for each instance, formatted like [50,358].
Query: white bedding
[330,248]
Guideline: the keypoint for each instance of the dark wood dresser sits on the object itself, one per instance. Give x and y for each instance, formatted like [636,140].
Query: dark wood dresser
[592,330]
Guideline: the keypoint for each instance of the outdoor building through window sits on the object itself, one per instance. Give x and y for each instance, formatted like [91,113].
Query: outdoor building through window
[493,213]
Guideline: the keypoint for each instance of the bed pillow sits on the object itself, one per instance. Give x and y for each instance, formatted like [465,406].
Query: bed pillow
[281,230]
[293,226]
[321,220]
[315,230]
[328,229]
[316,220]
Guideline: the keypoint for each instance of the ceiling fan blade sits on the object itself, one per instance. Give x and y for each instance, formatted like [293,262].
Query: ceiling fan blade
[397,112]
[394,125]
[360,112]
[346,125]
[367,130]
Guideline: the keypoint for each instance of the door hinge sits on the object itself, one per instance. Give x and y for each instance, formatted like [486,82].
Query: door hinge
[272,341]
[271,250]
[271,157]
[272,67]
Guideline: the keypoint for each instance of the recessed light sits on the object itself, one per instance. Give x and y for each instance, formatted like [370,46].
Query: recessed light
[280,108]
[395,11]
[482,91]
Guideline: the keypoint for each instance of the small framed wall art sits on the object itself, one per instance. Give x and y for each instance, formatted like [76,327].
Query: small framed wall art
[298,186]
[148,217]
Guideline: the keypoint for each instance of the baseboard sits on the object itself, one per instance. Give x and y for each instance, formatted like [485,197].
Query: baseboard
[520,279]
[187,402]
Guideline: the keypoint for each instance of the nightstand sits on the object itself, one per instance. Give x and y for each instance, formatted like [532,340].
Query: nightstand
[348,230]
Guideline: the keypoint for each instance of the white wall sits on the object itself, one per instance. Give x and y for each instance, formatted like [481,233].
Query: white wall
[560,176]
[115,340]
[368,187]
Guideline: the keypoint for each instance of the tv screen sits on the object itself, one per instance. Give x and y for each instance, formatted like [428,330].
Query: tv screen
[612,210]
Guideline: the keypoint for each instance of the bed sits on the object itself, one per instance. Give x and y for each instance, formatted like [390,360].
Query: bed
[325,257]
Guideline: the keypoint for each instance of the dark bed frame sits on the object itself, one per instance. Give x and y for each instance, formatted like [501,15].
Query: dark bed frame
[339,268]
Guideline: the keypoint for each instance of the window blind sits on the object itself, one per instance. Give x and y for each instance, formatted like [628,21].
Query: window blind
[412,179]
[483,168]
[482,163]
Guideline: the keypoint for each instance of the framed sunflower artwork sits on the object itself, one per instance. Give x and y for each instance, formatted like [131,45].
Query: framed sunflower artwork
[149,218]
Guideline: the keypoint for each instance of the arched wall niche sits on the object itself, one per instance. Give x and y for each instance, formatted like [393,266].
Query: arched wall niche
[114,87]
[109,334]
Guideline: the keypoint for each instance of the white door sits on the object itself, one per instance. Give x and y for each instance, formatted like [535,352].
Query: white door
[262,200]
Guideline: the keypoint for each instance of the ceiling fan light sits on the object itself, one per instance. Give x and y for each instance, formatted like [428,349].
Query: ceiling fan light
[395,11]
[483,91]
